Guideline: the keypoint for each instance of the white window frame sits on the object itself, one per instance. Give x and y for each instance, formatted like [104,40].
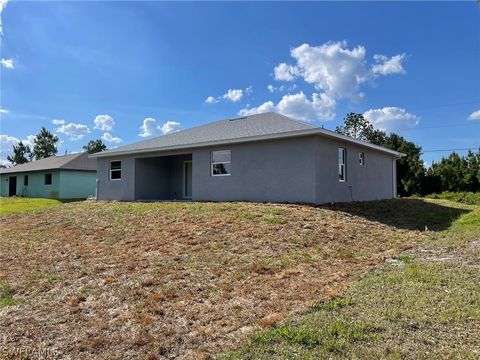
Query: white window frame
[220,162]
[361,158]
[110,169]
[342,165]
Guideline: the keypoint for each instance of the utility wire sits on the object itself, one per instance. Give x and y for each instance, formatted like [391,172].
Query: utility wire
[445,105]
[441,126]
[445,150]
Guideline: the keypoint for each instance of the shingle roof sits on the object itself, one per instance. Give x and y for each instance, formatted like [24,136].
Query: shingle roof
[254,125]
[67,162]
[249,128]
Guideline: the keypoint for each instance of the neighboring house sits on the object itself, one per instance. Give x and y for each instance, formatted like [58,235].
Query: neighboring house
[59,177]
[265,157]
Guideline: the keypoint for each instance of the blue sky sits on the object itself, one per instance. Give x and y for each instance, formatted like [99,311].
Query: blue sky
[128,70]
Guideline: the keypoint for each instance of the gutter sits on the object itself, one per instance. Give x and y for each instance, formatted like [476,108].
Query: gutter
[285,135]
[41,170]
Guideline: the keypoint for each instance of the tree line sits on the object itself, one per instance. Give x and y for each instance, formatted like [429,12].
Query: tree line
[45,144]
[451,173]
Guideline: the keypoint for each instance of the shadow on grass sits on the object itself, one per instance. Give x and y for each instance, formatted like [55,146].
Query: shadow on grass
[411,214]
[64,201]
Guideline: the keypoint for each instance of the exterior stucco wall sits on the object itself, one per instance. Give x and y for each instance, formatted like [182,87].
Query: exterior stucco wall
[36,184]
[65,184]
[123,189]
[4,185]
[281,170]
[372,181]
[287,170]
[77,184]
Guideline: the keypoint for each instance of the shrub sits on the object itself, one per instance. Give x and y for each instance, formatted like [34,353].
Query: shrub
[470,198]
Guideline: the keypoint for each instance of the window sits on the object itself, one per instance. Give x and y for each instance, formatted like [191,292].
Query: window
[221,163]
[115,170]
[25,180]
[361,158]
[48,179]
[341,164]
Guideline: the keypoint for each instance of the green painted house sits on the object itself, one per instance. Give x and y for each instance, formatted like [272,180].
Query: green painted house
[71,176]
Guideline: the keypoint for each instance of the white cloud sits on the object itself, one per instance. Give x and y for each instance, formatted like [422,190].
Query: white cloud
[7,142]
[332,67]
[211,100]
[7,63]
[386,66]
[74,131]
[104,122]
[233,95]
[3,111]
[150,127]
[474,115]
[30,140]
[58,122]
[281,88]
[3,4]
[265,107]
[6,146]
[391,118]
[284,72]
[298,106]
[169,127]
[336,69]
[110,138]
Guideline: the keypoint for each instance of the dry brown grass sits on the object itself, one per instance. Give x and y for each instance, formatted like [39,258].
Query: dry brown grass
[167,280]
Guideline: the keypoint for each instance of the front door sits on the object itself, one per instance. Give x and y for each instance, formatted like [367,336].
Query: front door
[187,179]
[12,186]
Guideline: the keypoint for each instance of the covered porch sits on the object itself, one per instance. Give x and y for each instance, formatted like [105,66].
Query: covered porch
[164,177]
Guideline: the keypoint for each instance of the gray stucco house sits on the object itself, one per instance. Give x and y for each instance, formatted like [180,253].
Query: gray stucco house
[265,157]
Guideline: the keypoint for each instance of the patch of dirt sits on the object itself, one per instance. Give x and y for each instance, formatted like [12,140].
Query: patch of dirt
[176,280]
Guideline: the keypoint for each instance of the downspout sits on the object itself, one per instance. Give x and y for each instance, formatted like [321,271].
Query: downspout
[96,188]
[394,177]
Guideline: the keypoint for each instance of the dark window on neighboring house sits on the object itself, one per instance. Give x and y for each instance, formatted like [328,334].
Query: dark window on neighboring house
[115,170]
[48,179]
[25,180]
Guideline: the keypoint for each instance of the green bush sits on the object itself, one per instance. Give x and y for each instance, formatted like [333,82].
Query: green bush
[470,198]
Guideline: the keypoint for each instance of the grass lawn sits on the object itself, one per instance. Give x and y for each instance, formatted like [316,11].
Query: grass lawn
[191,280]
[10,205]
[424,303]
